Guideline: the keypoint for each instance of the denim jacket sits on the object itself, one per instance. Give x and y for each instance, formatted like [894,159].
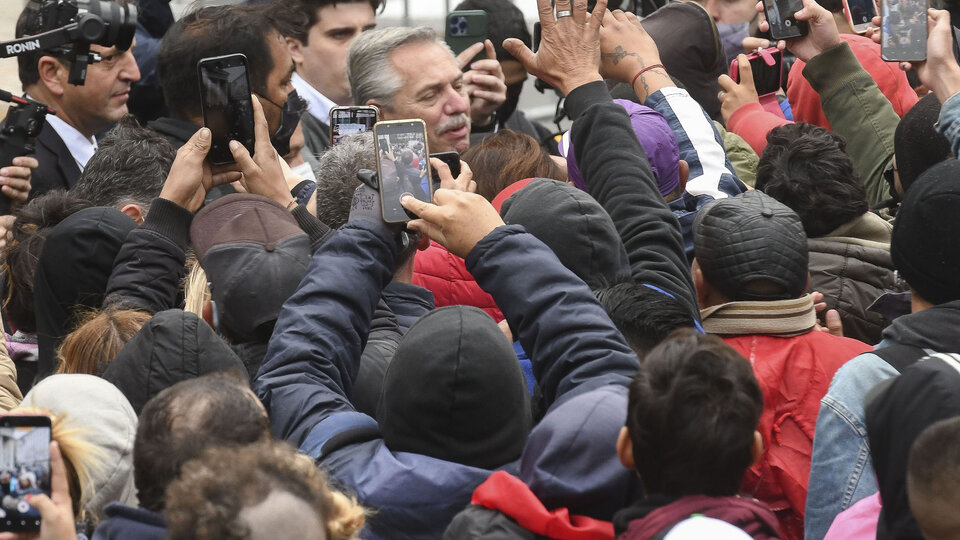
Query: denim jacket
[949,123]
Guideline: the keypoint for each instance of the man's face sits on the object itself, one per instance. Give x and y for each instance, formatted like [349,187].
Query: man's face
[102,99]
[278,84]
[433,91]
[322,61]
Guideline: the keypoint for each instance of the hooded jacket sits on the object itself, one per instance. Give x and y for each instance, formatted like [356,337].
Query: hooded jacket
[72,273]
[173,346]
[841,469]
[851,266]
[445,276]
[102,417]
[922,395]
[653,516]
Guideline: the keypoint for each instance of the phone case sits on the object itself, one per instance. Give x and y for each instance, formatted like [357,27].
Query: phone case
[334,110]
[464,28]
[393,185]
[220,154]
[847,12]
[768,101]
[914,12]
[790,27]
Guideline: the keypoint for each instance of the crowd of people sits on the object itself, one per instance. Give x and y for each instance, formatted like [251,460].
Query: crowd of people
[686,316]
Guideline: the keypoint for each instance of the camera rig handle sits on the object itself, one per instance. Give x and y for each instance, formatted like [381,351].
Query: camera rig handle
[19,132]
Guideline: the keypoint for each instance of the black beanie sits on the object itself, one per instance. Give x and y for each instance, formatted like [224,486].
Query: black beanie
[923,247]
[917,143]
[455,391]
[572,224]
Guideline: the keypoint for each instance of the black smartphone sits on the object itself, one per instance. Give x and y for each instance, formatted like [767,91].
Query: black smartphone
[781,17]
[465,28]
[226,104]
[24,469]
[346,121]
[452,160]
[903,35]
[766,66]
[402,165]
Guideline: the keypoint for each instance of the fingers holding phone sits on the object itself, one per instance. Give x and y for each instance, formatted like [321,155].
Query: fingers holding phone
[457,220]
[262,173]
[734,95]
[462,182]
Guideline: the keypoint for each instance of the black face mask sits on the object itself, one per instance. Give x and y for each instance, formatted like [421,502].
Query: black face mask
[290,113]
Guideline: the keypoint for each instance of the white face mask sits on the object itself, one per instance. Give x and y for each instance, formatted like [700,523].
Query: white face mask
[305,171]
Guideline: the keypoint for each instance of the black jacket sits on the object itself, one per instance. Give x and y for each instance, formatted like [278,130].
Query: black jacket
[619,177]
[58,169]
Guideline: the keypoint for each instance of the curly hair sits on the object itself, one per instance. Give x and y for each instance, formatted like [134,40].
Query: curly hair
[209,499]
[807,168]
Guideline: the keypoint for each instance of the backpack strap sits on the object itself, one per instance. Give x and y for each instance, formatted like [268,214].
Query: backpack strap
[900,357]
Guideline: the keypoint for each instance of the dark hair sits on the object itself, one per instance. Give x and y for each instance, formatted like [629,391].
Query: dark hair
[692,414]
[643,315]
[807,168]
[217,31]
[34,222]
[216,488]
[130,166]
[309,9]
[183,420]
[27,61]
[507,157]
[504,20]
[933,468]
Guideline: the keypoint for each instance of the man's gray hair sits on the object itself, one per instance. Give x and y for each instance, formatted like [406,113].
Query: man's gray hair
[337,177]
[369,70]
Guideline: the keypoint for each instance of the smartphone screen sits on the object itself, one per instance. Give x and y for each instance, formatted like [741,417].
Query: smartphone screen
[24,469]
[402,164]
[904,30]
[860,13]
[780,15]
[346,121]
[225,101]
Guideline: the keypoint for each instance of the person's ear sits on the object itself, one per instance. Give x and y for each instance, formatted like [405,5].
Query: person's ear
[684,173]
[53,74]
[700,284]
[756,449]
[295,48]
[625,449]
[209,313]
[384,110]
[134,212]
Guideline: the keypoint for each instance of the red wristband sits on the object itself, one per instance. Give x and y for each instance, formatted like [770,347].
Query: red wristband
[644,70]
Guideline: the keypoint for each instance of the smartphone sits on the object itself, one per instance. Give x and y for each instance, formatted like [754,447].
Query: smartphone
[860,14]
[767,67]
[537,35]
[24,470]
[464,28]
[783,23]
[226,104]
[903,34]
[402,165]
[452,159]
[345,121]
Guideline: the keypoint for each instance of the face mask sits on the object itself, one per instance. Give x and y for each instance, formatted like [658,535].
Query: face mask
[305,171]
[290,113]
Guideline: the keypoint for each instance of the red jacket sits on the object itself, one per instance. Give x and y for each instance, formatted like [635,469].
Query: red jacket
[445,275]
[805,102]
[794,374]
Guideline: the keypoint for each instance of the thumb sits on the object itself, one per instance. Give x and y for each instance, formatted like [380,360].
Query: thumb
[42,503]
[243,158]
[521,52]
[834,325]
[199,143]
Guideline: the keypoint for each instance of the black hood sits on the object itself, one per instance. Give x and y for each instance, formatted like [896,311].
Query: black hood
[573,225]
[933,328]
[454,391]
[173,346]
[925,393]
[72,274]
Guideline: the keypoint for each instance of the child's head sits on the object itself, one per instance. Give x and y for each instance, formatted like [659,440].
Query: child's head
[933,480]
[692,418]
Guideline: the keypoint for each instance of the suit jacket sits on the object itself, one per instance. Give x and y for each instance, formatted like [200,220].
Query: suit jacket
[58,169]
[316,135]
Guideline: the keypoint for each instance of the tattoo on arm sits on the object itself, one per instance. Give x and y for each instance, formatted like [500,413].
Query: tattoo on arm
[619,54]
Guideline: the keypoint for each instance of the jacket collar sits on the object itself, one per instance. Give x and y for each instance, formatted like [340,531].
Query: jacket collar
[868,230]
[782,318]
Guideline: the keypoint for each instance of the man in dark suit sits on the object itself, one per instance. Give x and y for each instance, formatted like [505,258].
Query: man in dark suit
[68,140]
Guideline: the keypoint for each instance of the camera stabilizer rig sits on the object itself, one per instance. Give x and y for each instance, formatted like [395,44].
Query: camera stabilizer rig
[66,28]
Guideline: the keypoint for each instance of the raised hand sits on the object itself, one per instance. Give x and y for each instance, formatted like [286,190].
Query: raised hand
[262,173]
[190,175]
[484,82]
[734,95]
[457,221]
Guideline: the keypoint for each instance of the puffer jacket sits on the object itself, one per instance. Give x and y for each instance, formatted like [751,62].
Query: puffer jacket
[445,275]
[851,266]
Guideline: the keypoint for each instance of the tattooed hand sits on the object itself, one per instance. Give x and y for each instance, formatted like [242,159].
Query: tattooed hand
[626,49]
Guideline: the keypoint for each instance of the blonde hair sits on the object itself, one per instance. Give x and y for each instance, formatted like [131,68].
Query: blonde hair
[195,287]
[98,339]
[84,460]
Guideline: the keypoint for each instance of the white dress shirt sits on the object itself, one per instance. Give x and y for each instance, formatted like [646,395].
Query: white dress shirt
[319,104]
[81,148]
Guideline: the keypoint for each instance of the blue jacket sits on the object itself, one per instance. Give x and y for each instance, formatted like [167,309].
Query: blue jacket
[128,522]
[313,356]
